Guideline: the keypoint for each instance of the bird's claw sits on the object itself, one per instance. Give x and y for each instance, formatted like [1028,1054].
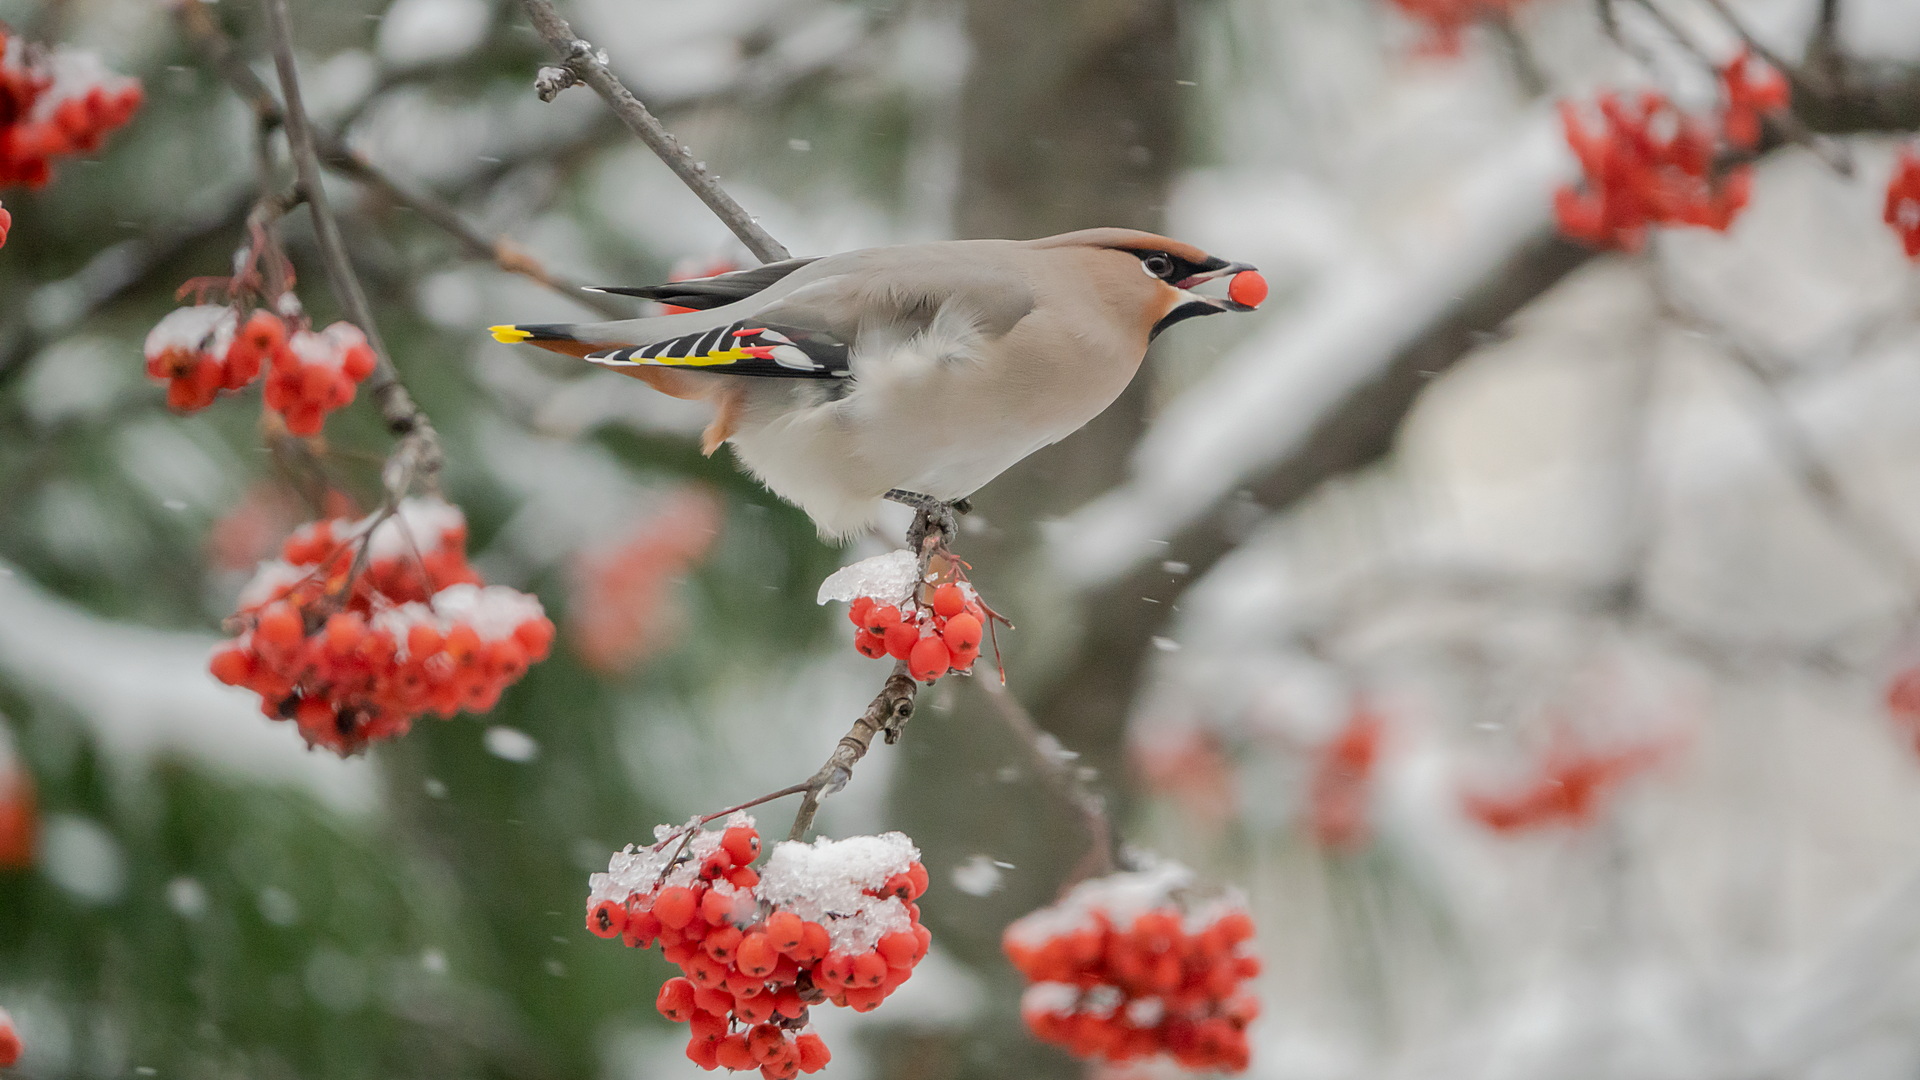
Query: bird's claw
[933,514]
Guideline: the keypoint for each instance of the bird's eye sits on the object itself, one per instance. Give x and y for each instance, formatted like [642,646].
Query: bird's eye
[1157,265]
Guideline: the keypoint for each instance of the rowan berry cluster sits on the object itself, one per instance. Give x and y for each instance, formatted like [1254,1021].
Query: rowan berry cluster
[831,921]
[19,815]
[1342,785]
[1133,965]
[933,625]
[1903,703]
[10,1045]
[1903,202]
[1570,786]
[201,350]
[55,104]
[1648,164]
[620,609]
[364,626]
[1752,91]
[1446,20]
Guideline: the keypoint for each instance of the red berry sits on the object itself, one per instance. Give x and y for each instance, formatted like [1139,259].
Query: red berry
[674,906]
[766,1042]
[899,949]
[929,660]
[741,842]
[949,600]
[785,930]
[869,970]
[917,875]
[756,955]
[812,1051]
[732,1053]
[815,943]
[642,928]
[869,645]
[962,635]
[715,907]
[862,607]
[721,943]
[675,1000]
[703,1052]
[881,617]
[900,639]
[606,919]
[1247,288]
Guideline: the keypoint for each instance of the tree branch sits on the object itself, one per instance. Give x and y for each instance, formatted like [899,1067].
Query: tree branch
[582,64]
[340,158]
[418,453]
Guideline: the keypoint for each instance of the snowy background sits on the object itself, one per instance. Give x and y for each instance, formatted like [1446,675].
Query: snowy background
[1504,494]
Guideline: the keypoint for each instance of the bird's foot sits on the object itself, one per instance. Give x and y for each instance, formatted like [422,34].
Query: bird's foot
[933,515]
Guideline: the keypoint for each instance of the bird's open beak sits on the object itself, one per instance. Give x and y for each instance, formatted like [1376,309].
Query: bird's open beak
[1245,289]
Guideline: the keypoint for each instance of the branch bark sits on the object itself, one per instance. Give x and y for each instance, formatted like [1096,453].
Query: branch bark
[582,64]
[418,453]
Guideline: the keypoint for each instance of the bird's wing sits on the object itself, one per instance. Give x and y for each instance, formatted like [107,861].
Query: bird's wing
[756,347]
[700,294]
[808,327]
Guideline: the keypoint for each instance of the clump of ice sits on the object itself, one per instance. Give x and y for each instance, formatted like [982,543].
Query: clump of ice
[1120,899]
[636,869]
[188,329]
[827,882]
[889,579]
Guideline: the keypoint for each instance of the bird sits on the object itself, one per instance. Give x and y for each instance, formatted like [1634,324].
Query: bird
[914,373]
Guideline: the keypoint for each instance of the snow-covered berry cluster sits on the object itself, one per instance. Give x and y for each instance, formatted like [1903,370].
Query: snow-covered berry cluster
[933,626]
[355,655]
[1903,201]
[1134,965]
[831,921]
[55,103]
[10,1045]
[201,350]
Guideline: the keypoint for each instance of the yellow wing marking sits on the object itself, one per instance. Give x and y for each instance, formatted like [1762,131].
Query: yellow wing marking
[713,359]
[509,334]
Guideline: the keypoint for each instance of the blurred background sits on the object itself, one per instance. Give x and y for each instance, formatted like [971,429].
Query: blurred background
[1514,624]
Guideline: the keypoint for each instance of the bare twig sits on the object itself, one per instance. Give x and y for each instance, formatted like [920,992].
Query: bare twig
[580,63]
[418,454]
[886,715]
[1055,768]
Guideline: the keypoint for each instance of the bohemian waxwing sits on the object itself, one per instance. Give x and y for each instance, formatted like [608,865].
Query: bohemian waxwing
[913,373]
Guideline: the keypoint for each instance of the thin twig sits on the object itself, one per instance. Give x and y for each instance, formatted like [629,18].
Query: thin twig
[1051,764]
[582,64]
[418,454]
[886,715]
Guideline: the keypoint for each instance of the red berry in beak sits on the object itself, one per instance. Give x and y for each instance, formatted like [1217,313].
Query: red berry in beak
[1247,287]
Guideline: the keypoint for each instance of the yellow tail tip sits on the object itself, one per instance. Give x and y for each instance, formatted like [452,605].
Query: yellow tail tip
[508,334]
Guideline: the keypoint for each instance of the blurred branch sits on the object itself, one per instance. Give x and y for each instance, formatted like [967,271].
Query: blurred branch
[582,64]
[418,452]
[1096,683]
[337,156]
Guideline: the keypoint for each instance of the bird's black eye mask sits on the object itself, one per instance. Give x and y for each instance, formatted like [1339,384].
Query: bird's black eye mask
[1173,269]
